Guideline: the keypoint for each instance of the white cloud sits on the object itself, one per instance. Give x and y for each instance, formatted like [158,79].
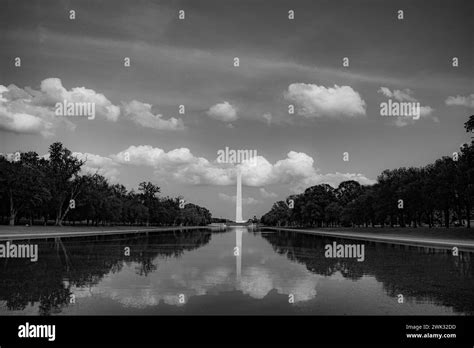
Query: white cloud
[19,114]
[400,95]
[267,194]
[425,111]
[406,95]
[104,166]
[52,91]
[245,200]
[33,111]
[461,101]
[224,112]
[318,101]
[179,164]
[297,170]
[268,117]
[23,123]
[141,114]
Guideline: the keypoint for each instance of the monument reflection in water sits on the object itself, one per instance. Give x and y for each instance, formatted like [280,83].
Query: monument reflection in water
[200,272]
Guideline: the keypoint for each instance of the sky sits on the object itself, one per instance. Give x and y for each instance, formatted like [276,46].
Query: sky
[138,133]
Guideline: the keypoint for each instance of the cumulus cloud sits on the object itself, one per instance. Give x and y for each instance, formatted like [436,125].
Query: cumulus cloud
[224,112]
[318,101]
[104,166]
[245,200]
[141,114]
[297,170]
[406,95]
[33,111]
[20,122]
[461,101]
[52,92]
[19,114]
[267,194]
[179,164]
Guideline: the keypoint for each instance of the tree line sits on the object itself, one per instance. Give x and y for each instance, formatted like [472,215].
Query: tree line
[439,194]
[51,189]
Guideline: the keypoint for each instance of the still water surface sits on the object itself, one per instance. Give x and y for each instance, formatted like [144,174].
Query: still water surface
[202,272]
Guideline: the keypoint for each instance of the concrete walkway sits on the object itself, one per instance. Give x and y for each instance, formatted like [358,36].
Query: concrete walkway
[40,232]
[441,243]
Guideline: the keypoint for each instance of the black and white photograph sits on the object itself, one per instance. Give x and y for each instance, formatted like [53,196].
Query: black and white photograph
[303,169]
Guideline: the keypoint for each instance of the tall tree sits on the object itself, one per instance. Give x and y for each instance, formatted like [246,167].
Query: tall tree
[149,195]
[62,171]
[23,184]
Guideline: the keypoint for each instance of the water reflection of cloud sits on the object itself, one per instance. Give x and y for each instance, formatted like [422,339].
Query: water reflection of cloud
[168,288]
[139,299]
[258,282]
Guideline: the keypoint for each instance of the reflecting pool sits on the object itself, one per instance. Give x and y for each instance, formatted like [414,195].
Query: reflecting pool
[233,271]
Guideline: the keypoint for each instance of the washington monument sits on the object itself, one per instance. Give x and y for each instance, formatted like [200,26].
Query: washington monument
[238,199]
